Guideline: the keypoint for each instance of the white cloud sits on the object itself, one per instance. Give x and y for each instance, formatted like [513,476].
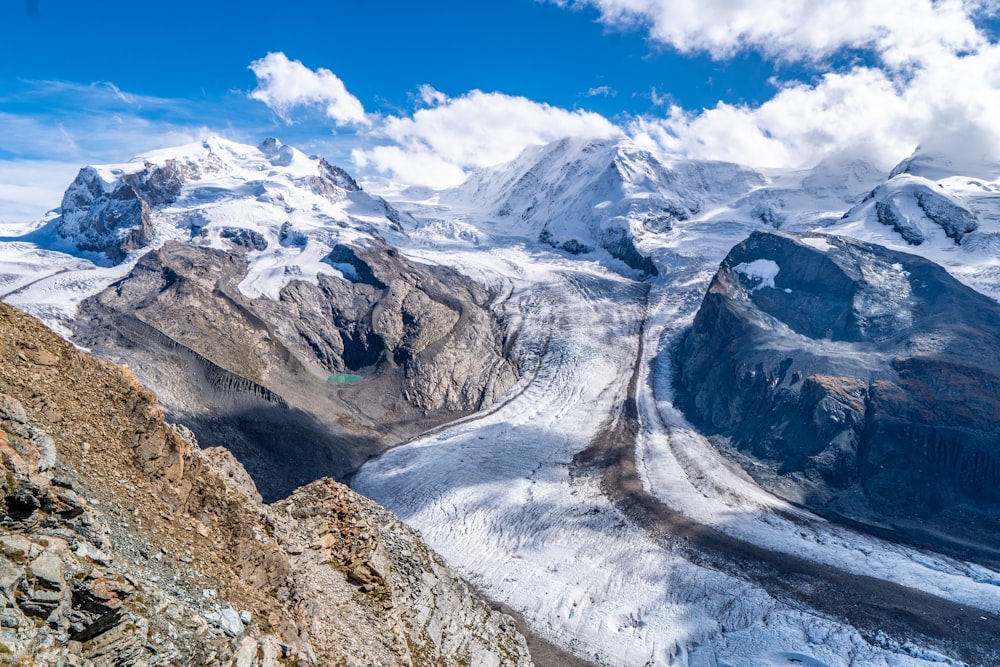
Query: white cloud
[124,97]
[71,125]
[899,30]
[945,107]
[438,145]
[284,85]
[601,91]
[430,96]
[929,79]
[30,188]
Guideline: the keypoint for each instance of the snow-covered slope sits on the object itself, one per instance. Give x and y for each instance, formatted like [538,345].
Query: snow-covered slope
[286,209]
[945,210]
[580,195]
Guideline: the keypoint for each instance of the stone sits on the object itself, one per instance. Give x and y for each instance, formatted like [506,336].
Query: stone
[89,551]
[42,357]
[227,620]
[47,569]
[11,408]
[9,618]
[10,574]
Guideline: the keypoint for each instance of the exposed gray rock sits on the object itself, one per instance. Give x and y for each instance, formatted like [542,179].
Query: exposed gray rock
[859,381]
[226,619]
[251,374]
[114,217]
[913,206]
[889,215]
[47,569]
[955,220]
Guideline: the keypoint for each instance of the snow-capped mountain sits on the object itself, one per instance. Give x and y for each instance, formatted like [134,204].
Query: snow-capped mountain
[531,315]
[287,209]
[237,280]
[580,195]
[550,535]
[272,199]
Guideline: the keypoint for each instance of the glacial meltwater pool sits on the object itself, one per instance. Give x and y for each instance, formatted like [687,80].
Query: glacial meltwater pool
[344,378]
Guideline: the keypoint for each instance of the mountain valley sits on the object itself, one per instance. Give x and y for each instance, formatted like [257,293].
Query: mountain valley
[668,411]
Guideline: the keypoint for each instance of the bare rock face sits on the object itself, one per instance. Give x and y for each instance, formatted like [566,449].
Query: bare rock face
[114,217]
[252,374]
[123,543]
[856,380]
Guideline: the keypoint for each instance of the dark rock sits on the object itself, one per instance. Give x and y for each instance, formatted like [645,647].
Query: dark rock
[861,381]
[247,239]
[955,220]
[887,214]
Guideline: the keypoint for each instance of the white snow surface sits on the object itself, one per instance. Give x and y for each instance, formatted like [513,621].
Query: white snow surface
[496,492]
[764,271]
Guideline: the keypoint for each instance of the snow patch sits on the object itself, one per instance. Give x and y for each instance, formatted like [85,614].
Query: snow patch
[762,270]
[817,242]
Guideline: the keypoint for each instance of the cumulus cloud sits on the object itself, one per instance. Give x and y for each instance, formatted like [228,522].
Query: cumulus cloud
[899,30]
[285,85]
[430,96]
[929,79]
[438,145]
[944,109]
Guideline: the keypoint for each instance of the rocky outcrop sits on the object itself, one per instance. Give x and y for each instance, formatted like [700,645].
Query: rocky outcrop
[857,380]
[109,218]
[114,217]
[252,374]
[124,543]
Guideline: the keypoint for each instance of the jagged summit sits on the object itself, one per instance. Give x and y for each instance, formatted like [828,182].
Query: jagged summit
[271,199]
[110,209]
[285,211]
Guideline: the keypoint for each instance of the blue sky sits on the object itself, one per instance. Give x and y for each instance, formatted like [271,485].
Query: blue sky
[772,83]
[383,50]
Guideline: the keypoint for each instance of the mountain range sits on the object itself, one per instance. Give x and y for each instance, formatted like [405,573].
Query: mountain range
[668,411]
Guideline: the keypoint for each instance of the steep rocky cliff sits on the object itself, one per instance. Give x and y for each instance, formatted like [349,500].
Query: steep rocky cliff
[124,543]
[857,380]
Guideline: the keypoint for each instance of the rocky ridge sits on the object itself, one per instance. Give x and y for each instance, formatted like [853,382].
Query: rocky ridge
[124,543]
[253,374]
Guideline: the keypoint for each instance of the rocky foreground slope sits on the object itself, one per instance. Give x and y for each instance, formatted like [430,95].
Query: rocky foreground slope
[859,381]
[124,543]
